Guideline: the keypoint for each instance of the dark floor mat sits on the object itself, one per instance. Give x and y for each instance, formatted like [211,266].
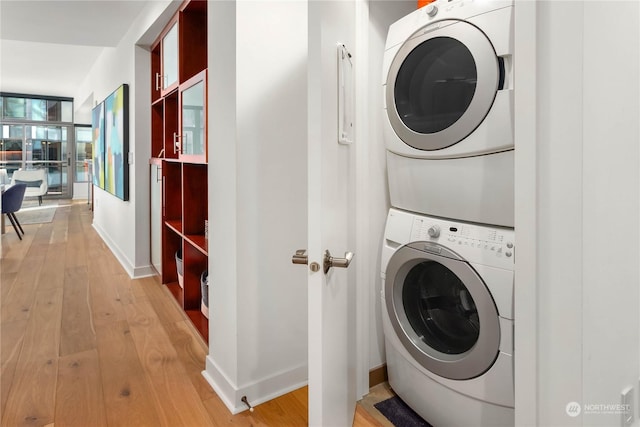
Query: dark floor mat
[400,415]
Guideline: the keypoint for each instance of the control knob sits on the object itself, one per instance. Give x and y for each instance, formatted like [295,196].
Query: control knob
[432,9]
[434,231]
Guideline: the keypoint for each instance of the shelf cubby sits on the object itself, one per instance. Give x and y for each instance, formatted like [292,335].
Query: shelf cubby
[195,263]
[172,191]
[193,39]
[172,242]
[194,190]
[157,128]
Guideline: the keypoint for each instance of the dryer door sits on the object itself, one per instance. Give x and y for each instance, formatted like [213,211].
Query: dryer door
[441,84]
[442,311]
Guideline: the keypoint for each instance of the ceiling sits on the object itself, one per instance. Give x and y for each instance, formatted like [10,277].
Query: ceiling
[48,47]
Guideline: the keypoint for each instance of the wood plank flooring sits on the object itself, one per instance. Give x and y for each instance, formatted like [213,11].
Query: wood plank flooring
[81,344]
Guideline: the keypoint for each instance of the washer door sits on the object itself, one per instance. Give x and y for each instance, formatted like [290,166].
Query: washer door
[442,311]
[441,84]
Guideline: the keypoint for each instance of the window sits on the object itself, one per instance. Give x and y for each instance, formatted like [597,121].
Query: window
[84,155]
[36,131]
[15,108]
[38,109]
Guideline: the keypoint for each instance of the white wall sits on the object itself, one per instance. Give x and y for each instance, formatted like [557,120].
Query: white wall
[586,199]
[560,206]
[249,174]
[258,198]
[124,226]
[611,182]
[381,15]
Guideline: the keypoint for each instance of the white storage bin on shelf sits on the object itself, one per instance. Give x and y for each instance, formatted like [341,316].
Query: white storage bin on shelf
[204,288]
[179,268]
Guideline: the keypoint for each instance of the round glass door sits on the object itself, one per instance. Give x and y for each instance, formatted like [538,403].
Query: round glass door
[441,85]
[442,312]
[440,308]
[435,85]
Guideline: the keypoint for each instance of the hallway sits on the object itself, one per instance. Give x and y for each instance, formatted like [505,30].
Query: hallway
[84,345]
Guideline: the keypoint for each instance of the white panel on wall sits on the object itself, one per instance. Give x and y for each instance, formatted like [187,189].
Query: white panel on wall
[560,282]
[587,203]
[611,320]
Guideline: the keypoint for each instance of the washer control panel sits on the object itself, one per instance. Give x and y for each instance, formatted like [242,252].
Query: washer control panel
[488,245]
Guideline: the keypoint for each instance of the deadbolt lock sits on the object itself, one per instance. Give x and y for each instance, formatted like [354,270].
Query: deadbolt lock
[301,257]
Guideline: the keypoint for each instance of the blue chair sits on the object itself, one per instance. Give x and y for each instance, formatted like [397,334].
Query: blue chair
[11,203]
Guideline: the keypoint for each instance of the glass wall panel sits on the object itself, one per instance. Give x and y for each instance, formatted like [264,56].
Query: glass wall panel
[15,108]
[84,147]
[11,144]
[35,150]
[38,132]
[43,144]
[67,111]
[54,111]
[38,110]
[10,150]
[12,131]
[54,132]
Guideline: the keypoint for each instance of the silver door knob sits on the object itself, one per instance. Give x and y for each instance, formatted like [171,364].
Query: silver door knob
[330,261]
[300,257]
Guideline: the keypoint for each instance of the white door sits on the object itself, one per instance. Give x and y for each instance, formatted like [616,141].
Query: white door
[332,303]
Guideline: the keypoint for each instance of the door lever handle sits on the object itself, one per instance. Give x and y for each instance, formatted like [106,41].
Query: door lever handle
[330,261]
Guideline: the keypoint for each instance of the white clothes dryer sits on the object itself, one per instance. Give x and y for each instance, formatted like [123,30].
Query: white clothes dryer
[448,100]
[447,303]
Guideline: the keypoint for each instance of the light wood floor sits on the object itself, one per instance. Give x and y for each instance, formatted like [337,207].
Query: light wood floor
[84,345]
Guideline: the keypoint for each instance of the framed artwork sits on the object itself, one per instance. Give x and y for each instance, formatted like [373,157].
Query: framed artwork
[116,137]
[97,131]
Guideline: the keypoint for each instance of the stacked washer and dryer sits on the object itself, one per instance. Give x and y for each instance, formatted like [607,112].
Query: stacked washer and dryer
[448,252]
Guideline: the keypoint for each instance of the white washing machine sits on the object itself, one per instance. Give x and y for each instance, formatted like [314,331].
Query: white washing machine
[447,303]
[448,100]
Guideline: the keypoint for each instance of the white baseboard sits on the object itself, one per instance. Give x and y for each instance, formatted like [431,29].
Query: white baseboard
[257,392]
[132,271]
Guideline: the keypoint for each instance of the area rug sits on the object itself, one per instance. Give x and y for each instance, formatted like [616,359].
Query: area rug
[400,415]
[35,214]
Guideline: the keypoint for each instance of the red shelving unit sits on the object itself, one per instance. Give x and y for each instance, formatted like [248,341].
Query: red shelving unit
[176,121]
